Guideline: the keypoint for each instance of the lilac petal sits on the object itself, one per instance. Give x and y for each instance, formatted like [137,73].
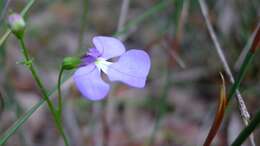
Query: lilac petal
[109,47]
[87,59]
[90,57]
[89,83]
[94,52]
[132,68]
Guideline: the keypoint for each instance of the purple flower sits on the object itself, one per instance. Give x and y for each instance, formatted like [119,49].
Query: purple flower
[131,68]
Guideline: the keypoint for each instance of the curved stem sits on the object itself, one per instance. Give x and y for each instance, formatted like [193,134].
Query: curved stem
[28,63]
[219,114]
[59,110]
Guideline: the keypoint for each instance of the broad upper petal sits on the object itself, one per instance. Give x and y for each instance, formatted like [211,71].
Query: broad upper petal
[109,47]
[132,68]
[89,83]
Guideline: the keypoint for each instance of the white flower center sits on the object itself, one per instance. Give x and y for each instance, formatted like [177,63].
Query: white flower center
[102,64]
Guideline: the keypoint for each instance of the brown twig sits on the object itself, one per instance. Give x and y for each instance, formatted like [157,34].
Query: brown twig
[219,115]
[256,41]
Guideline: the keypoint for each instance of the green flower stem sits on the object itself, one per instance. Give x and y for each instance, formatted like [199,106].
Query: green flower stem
[28,63]
[248,60]
[59,110]
[248,130]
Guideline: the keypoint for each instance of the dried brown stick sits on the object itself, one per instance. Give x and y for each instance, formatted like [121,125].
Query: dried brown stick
[219,115]
[182,21]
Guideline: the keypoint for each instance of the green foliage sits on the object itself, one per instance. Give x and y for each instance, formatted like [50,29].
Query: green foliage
[248,130]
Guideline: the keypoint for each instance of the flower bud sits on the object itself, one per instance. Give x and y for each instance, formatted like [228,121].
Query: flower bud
[71,63]
[17,24]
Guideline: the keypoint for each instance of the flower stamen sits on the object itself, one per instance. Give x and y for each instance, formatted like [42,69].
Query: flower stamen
[102,64]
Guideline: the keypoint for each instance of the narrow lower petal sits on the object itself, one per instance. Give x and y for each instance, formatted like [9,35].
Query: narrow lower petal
[89,83]
[109,47]
[132,68]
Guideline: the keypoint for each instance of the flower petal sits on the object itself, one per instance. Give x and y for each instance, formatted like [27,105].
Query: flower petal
[89,83]
[94,52]
[132,68]
[109,47]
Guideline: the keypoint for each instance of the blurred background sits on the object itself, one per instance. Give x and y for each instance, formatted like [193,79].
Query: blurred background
[178,104]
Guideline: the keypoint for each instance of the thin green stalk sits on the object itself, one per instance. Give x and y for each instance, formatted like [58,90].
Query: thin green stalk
[27,7]
[4,37]
[59,110]
[28,63]
[248,130]
[248,60]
